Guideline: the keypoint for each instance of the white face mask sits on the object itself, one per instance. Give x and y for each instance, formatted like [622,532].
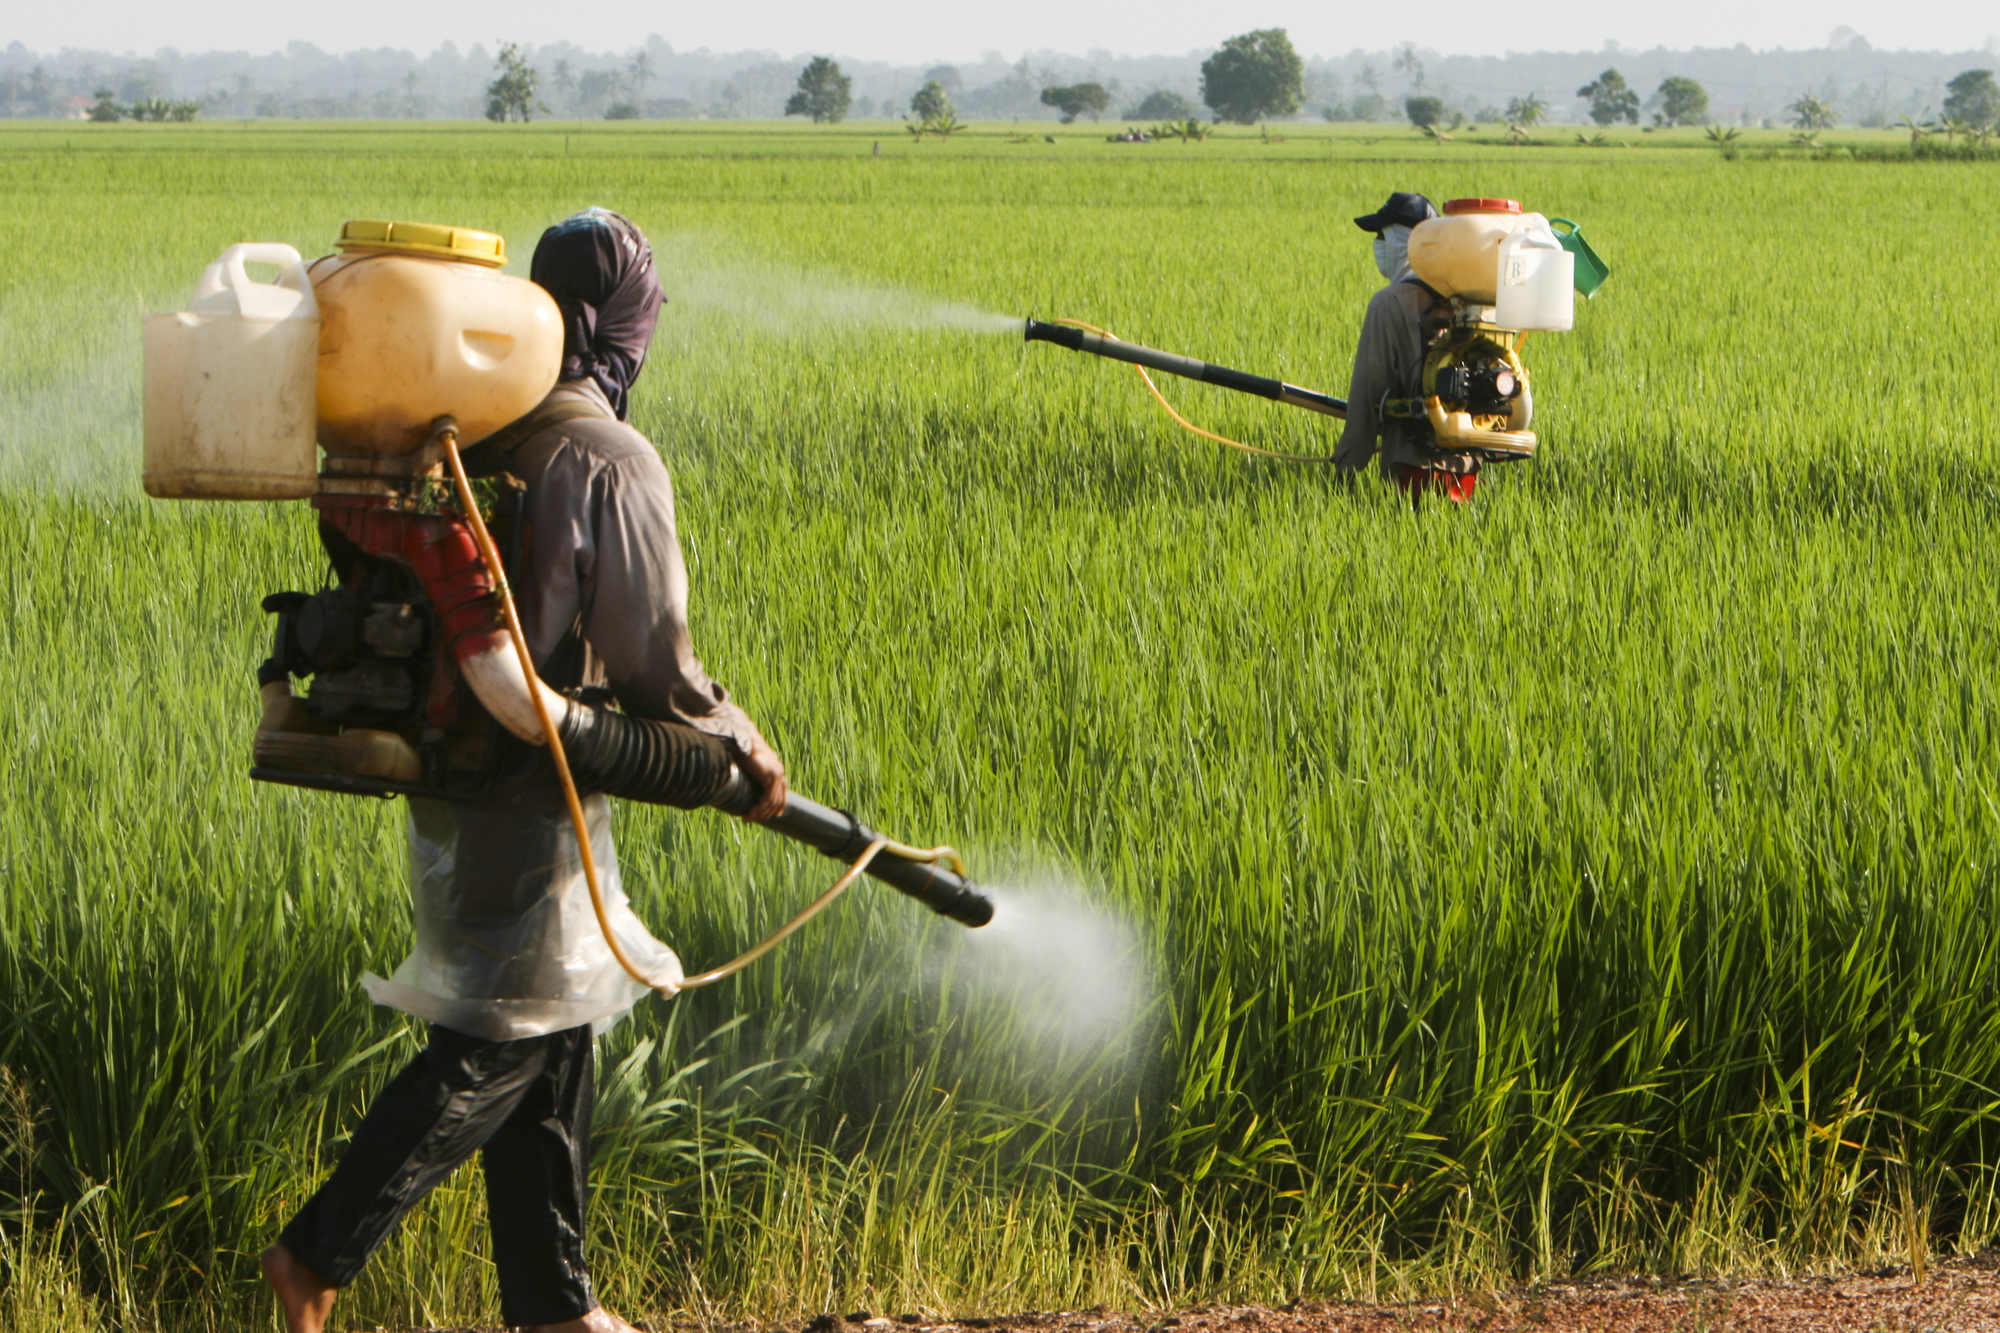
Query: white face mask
[1392,251]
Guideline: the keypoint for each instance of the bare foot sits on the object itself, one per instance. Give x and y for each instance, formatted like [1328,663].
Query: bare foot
[599,1320]
[306,1296]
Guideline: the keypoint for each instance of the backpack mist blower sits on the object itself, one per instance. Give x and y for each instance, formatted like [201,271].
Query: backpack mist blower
[387,354]
[1496,275]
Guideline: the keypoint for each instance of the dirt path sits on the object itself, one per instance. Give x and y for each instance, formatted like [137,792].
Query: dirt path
[1958,1297]
[1961,1296]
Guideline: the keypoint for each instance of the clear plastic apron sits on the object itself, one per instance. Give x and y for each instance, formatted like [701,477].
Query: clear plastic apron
[507,943]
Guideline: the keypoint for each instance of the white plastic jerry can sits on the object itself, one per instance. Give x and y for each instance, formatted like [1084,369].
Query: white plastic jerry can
[1537,281]
[231,385]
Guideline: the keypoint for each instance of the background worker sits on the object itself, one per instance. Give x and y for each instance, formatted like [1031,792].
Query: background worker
[510,968]
[1384,397]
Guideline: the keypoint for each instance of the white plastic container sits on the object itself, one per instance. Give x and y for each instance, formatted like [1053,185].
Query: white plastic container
[230,385]
[1536,287]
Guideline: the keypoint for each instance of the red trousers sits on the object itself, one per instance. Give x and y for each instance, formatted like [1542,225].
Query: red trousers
[1455,486]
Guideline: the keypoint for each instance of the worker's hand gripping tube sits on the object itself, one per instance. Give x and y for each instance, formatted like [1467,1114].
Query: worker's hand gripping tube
[665,763]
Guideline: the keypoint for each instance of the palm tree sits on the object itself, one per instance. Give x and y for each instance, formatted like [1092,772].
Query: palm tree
[641,70]
[1408,63]
[1527,111]
[562,77]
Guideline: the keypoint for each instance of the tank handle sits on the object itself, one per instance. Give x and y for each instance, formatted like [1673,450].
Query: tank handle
[291,297]
[1533,232]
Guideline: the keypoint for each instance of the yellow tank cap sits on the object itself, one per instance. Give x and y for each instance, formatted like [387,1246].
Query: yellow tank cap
[376,237]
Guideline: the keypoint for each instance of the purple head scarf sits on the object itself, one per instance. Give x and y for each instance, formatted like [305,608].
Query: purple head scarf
[599,268]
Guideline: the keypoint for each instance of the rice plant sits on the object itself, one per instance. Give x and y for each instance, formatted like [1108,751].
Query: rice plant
[1599,876]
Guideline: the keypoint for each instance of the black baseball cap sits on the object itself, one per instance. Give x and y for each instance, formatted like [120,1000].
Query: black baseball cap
[1402,210]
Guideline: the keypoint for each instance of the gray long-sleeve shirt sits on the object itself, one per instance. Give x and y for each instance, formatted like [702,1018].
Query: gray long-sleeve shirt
[1389,362]
[603,590]
[507,942]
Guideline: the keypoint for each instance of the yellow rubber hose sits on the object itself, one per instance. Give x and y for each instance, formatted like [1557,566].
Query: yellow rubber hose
[812,909]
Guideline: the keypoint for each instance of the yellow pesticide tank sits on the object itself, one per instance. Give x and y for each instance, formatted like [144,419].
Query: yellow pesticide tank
[1459,254]
[417,322]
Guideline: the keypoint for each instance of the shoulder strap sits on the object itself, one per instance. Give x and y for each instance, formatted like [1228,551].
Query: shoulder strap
[492,451]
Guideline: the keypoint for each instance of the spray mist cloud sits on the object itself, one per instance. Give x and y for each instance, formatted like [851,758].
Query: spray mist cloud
[788,300]
[1060,989]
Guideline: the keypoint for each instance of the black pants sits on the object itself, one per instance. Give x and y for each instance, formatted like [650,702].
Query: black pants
[525,1105]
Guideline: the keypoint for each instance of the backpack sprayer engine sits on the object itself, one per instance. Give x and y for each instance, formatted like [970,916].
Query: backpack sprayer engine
[1495,274]
[387,354]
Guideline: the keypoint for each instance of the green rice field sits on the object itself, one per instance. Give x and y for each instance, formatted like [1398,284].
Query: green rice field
[1600,877]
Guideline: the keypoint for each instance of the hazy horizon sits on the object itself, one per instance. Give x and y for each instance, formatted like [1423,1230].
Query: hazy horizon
[909,35]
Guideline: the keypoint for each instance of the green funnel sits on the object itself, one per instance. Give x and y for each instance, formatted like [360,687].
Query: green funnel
[1590,270]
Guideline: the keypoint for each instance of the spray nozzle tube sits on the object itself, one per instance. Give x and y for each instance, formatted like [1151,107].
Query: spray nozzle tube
[843,837]
[1081,340]
[666,763]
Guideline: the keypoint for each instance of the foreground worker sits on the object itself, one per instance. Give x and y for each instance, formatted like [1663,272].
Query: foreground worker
[510,969]
[1384,396]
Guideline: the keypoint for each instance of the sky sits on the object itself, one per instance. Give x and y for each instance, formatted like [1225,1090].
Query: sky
[909,33]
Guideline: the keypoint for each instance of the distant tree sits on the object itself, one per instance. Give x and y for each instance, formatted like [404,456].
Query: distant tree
[824,93]
[563,79]
[1369,107]
[161,109]
[640,71]
[949,77]
[1407,63]
[41,90]
[931,102]
[107,109]
[512,95]
[1974,98]
[1611,100]
[1527,112]
[1253,77]
[1812,114]
[1078,99]
[596,88]
[622,111]
[1424,112]
[1682,102]
[1165,104]
[140,85]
